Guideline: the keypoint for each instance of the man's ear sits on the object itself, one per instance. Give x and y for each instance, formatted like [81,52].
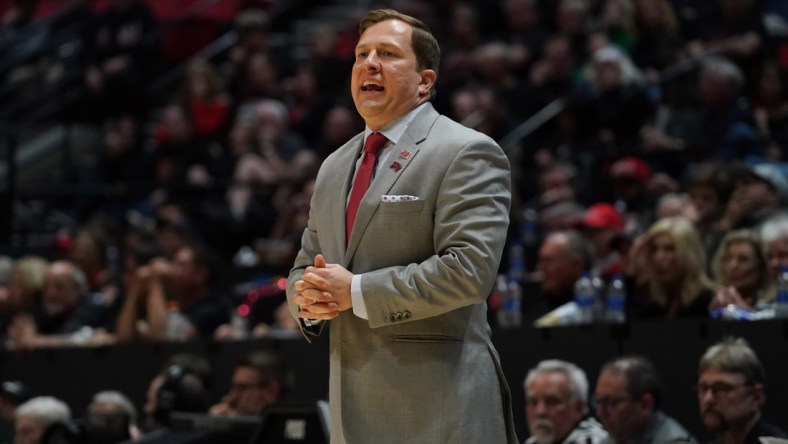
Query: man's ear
[759,394]
[646,402]
[203,274]
[272,391]
[428,77]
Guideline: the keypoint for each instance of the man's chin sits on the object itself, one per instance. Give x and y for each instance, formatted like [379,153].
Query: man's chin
[543,434]
[544,438]
[54,310]
[713,421]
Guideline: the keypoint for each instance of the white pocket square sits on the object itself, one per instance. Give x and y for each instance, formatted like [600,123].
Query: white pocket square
[398,198]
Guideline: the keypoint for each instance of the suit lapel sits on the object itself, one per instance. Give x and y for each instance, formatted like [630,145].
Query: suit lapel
[386,175]
[342,181]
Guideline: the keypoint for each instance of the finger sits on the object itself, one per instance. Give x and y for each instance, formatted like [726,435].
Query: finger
[319,311]
[320,308]
[301,301]
[314,279]
[322,316]
[314,296]
[302,285]
[320,261]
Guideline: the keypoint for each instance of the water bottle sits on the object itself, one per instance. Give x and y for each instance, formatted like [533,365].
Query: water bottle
[585,298]
[513,294]
[600,298]
[514,302]
[616,301]
[499,295]
[510,313]
[516,260]
[781,305]
[177,324]
[529,227]
[240,325]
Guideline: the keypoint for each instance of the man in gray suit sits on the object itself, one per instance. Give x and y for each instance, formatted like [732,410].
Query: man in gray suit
[404,286]
[627,401]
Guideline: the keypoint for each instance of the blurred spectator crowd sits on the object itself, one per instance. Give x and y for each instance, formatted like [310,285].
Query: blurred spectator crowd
[659,109]
[666,136]
[662,157]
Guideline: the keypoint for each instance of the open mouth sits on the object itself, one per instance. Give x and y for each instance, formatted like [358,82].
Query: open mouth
[371,86]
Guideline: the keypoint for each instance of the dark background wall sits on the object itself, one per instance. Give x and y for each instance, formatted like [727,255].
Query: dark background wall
[675,347]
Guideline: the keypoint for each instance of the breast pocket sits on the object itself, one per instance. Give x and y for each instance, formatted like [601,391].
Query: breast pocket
[404,230]
[411,206]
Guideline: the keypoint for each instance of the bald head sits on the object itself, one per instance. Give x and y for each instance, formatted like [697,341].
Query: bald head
[562,257]
[64,287]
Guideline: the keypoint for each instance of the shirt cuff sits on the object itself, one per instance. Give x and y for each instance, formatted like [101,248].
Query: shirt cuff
[359,308]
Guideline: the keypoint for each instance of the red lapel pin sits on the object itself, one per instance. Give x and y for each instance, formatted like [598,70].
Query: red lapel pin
[396,166]
[404,154]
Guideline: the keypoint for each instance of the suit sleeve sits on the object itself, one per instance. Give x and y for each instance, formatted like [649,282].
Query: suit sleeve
[310,247]
[471,219]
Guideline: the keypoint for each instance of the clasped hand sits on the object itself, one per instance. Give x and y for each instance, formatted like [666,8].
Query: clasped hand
[323,290]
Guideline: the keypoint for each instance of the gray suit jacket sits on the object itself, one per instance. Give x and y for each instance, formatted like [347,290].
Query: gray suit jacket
[422,369]
[661,429]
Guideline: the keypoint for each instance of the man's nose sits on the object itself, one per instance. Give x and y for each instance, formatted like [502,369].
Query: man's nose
[774,263]
[706,398]
[372,61]
[540,408]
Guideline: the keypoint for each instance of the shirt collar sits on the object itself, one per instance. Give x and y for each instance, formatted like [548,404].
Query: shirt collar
[396,128]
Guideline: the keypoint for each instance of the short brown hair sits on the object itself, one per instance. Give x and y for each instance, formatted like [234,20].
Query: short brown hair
[425,45]
[734,355]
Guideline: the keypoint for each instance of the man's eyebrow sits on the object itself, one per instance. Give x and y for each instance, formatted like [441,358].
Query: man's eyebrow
[384,45]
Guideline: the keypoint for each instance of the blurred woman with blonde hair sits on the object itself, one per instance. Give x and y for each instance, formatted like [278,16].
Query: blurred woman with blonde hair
[671,263]
[25,285]
[740,268]
[27,282]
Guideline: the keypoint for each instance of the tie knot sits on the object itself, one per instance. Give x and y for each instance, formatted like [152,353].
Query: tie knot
[375,142]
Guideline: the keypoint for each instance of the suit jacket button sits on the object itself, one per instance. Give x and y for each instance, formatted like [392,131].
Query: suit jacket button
[399,316]
[392,317]
[406,315]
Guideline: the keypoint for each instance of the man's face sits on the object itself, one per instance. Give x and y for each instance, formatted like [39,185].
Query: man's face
[777,255]
[247,396]
[186,276]
[726,401]
[628,188]
[559,270]
[61,293]
[550,409]
[386,83]
[183,265]
[622,416]
[27,430]
[761,194]
[706,201]
[601,239]
[151,404]
[556,186]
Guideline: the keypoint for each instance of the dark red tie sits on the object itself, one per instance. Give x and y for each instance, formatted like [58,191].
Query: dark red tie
[374,143]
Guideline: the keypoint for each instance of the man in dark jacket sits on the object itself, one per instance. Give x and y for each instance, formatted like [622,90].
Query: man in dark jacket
[731,391]
[627,401]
